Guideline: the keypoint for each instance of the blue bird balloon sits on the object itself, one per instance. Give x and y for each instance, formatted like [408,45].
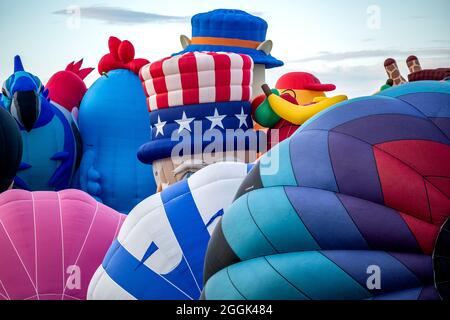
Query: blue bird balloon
[114,123]
[49,138]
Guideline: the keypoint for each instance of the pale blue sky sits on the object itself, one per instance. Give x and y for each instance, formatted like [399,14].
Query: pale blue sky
[339,41]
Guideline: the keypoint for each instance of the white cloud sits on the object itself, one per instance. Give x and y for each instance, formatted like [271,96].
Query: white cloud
[117,15]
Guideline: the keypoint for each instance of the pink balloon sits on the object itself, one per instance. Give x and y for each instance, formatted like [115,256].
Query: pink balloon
[51,243]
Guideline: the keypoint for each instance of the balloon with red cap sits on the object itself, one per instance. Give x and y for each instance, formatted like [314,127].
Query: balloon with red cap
[298,97]
[303,81]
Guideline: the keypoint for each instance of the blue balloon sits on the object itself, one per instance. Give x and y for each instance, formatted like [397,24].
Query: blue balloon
[49,137]
[114,123]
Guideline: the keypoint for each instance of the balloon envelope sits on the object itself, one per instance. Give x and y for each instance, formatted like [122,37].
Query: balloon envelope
[51,243]
[114,123]
[159,253]
[349,207]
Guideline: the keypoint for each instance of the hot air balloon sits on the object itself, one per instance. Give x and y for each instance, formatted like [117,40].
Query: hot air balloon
[352,206]
[51,243]
[50,140]
[67,88]
[11,149]
[114,123]
[160,250]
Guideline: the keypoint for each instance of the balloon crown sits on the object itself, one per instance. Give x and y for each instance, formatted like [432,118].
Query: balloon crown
[75,67]
[120,56]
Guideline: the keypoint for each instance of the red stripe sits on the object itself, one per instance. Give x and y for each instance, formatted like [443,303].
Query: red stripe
[160,85]
[429,159]
[162,100]
[189,79]
[159,82]
[407,194]
[246,93]
[246,70]
[222,66]
[425,233]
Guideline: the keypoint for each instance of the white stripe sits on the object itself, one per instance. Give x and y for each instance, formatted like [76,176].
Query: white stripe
[204,61]
[18,255]
[5,291]
[207,94]
[62,241]
[84,241]
[174,81]
[149,87]
[35,245]
[236,93]
[145,72]
[236,61]
[170,66]
[139,211]
[206,77]
[152,103]
[172,78]
[171,72]
[237,76]
[102,287]
[147,226]
[151,225]
[213,188]
[54,294]
[175,98]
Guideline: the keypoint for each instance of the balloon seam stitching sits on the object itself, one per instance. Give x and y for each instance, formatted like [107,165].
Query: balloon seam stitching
[256,224]
[287,280]
[233,284]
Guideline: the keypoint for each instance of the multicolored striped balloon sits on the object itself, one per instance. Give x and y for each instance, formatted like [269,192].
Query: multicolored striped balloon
[350,207]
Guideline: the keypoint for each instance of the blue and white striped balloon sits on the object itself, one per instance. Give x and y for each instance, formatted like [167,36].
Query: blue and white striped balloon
[160,250]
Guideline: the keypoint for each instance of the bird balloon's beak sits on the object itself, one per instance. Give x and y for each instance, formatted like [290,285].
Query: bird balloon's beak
[295,114]
[26,108]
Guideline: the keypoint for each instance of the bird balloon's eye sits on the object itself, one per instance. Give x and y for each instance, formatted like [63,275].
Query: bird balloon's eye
[4,92]
[187,175]
[290,92]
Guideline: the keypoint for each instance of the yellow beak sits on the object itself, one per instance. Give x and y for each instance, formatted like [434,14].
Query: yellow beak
[299,114]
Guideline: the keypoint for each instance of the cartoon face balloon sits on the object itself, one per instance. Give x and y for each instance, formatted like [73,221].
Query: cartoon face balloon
[159,253]
[51,243]
[349,207]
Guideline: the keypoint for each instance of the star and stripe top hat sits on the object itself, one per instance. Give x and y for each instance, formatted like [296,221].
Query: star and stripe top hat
[228,30]
[194,93]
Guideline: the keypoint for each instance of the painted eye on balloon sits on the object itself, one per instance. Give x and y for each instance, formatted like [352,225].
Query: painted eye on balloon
[187,175]
[5,92]
[290,92]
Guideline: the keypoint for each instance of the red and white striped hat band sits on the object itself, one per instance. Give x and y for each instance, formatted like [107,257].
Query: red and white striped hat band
[197,77]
